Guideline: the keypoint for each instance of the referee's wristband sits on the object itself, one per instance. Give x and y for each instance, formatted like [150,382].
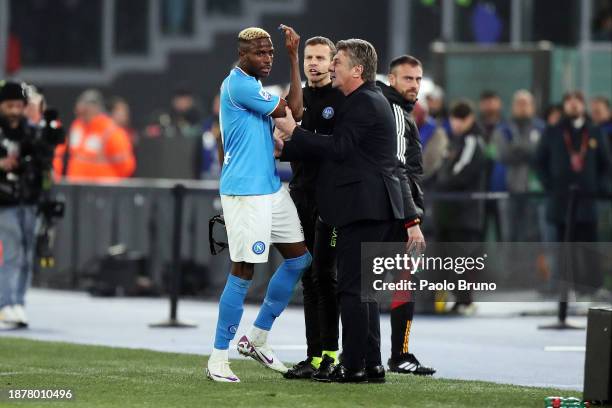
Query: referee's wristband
[412,223]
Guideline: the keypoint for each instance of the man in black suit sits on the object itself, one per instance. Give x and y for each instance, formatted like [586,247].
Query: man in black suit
[357,192]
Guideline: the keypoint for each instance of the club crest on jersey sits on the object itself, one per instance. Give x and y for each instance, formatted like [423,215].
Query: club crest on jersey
[266,95]
[328,112]
[259,248]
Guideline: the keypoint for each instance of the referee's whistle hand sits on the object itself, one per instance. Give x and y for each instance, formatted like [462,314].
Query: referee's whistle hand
[287,124]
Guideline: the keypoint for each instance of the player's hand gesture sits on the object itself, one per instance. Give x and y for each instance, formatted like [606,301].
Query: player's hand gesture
[292,40]
[286,125]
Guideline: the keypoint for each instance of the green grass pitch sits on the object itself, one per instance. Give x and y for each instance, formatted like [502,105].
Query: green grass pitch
[115,377]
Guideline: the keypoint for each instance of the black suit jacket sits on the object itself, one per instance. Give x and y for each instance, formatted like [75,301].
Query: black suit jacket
[357,178]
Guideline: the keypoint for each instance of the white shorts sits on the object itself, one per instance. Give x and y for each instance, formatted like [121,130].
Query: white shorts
[256,221]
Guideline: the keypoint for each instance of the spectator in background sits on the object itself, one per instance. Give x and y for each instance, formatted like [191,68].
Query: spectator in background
[119,111]
[35,107]
[600,113]
[490,108]
[17,207]
[434,141]
[516,142]
[602,30]
[490,112]
[574,153]
[602,117]
[486,23]
[185,113]
[212,153]
[462,170]
[183,119]
[435,105]
[95,147]
[553,114]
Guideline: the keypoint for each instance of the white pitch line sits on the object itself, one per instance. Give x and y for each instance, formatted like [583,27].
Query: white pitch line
[565,348]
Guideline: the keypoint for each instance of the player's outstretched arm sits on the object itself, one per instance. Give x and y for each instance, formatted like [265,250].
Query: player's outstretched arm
[294,98]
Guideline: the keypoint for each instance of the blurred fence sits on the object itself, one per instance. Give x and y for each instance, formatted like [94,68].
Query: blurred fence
[139,215]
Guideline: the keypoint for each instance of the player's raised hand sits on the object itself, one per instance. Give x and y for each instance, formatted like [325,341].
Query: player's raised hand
[286,125]
[292,40]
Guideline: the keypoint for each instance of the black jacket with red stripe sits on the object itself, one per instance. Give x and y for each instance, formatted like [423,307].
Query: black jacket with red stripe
[409,149]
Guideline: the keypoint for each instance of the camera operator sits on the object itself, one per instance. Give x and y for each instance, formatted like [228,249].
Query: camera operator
[26,154]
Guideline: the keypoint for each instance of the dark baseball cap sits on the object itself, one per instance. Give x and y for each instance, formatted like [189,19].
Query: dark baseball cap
[10,91]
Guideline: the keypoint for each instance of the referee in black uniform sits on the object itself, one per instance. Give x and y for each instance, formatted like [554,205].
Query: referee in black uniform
[321,102]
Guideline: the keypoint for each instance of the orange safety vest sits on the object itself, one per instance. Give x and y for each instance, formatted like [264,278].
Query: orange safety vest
[98,149]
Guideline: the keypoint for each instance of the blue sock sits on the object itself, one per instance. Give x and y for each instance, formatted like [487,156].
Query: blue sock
[230,310]
[280,290]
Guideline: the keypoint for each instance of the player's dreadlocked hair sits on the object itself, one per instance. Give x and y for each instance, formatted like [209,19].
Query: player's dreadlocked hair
[252,33]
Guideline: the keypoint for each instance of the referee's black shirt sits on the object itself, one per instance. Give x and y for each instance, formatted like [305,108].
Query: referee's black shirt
[320,108]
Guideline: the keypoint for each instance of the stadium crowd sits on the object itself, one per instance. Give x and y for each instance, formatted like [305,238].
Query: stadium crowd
[509,160]
[510,168]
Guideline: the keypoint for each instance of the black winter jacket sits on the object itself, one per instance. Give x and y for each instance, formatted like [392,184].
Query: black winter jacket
[409,149]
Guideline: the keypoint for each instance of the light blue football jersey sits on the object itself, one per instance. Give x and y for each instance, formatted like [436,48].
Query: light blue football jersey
[249,166]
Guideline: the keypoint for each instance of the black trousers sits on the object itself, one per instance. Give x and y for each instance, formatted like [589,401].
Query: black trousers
[319,282]
[402,312]
[401,323]
[360,320]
